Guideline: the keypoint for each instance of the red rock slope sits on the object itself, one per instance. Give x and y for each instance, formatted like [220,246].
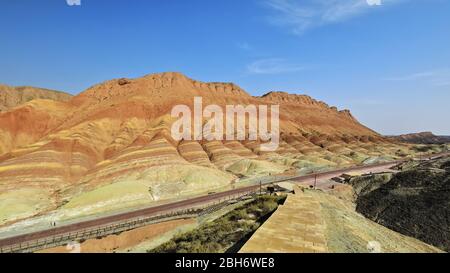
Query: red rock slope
[111,147]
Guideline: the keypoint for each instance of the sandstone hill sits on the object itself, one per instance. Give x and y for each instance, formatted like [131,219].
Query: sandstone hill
[110,148]
[11,97]
[422,138]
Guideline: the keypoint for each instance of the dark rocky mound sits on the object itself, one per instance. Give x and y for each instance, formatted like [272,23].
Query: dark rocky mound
[421,138]
[415,202]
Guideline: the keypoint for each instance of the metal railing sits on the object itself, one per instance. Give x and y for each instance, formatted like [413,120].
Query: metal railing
[119,227]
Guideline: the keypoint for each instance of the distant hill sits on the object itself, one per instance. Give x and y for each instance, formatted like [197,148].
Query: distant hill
[11,97]
[422,138]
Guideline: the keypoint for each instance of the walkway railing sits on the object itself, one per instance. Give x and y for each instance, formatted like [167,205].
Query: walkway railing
[116,228]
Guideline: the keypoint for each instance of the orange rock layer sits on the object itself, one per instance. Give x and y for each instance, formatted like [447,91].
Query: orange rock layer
[123,126]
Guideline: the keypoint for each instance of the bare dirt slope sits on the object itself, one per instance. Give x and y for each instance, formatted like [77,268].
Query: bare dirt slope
[125,240]
[11,97]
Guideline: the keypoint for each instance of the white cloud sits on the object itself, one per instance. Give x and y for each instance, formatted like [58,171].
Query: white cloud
[301,15]
[244,46]
[272,66]
[438,77]
[364,102]
[411,77]
[441,83]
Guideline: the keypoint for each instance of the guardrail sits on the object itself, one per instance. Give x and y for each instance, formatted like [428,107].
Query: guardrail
[115,228]
[275,179]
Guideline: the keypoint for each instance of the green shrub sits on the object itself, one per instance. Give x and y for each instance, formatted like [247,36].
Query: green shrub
[224,232]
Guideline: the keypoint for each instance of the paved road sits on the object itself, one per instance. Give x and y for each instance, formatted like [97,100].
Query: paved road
[167,208]
[323,181]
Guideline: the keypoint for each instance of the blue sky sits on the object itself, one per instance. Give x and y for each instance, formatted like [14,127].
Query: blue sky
[389,63]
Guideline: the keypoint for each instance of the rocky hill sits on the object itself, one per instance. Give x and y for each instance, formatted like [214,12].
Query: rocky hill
[422,138]
[11,97]
[110,147]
